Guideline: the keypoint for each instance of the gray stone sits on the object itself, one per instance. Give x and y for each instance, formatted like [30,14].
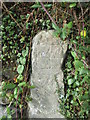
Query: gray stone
[2,109]
[48,53]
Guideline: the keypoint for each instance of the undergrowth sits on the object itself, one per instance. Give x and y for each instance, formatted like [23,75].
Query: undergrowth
[20,23]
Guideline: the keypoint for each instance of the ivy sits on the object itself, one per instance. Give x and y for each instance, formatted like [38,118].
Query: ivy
[16,51]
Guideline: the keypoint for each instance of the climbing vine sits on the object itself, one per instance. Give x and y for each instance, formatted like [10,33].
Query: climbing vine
[77,70]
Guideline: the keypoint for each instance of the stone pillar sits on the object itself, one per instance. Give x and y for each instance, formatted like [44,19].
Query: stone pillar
[48,53]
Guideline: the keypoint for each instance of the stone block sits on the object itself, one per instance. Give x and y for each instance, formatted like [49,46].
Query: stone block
[48,53]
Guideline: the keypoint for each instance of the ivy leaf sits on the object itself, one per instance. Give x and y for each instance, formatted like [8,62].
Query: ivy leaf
[72,5]
[22,84]
[69,25]
[25,52]
[55,27]
[63,35]
[22,39]
[22,60]
[48,5]
[32,86]
[20,69]
[15,92]
[36,6]
[83,71]
[27,15]
[78,64]
[70,81]
[20,77]
[39,6]
[77,83]
[18,54]
[27,24]
[73,54]
[9,86]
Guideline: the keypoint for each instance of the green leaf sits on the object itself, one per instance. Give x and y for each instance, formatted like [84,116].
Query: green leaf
[16,36]
[85,105]
[27,24]
[72,5]
[32,86]
[8,110]
[77,37]
[70,81]
[36,6]
[22,60]
[86,79]
[9,86]
[20,69]
[78,64]
[73,41]
[15,92]
[20,77]
[19,54]
[28,98]
[63,35]
[20,90]
[25,52]
[74,103]
[12,23]
[83,71]
[73,54]
[39,6]
[48,5]
[27,15]
[55,27]
[77,83]
[22,84]
[69,25]
[56,33]
[22,39]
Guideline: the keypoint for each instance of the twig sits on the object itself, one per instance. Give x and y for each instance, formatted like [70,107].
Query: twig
[48,13]
[81,59]
[84,13]
[25,78]
[81,8]
[12,16]
[28,63]
[84,62]
[78,24]
[9,9]
[24,26]
[74,13]
[8,106]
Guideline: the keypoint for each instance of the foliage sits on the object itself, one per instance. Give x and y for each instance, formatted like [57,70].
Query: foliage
[75,104]
[16,51]
[17,33]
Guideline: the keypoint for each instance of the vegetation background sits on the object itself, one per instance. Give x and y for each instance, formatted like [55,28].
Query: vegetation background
[21,21]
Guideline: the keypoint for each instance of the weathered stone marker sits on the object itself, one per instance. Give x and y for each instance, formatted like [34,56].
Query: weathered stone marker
[48,53]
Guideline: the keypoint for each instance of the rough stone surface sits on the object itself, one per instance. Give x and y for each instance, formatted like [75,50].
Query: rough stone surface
[48,53]
[2,109]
